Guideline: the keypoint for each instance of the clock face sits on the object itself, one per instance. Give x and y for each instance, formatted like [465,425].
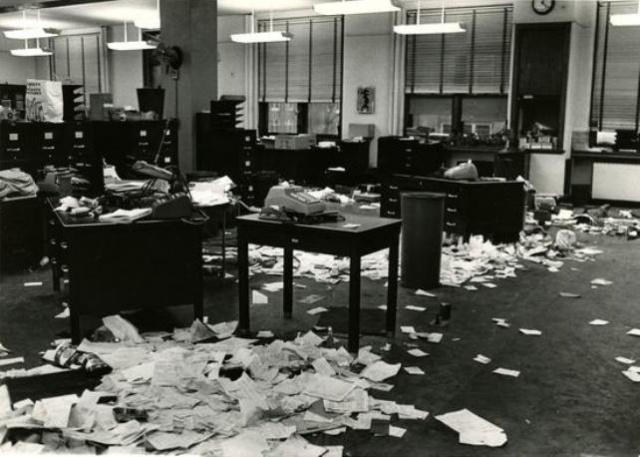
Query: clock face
[543,6]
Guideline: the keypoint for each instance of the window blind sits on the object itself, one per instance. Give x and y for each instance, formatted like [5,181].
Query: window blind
[76,60]
[306,69]
[476,61]
[616,73]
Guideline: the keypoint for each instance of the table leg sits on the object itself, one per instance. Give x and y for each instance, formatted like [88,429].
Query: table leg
[288,283]
[354,304]
[392,289]
[243,283]
[224,243]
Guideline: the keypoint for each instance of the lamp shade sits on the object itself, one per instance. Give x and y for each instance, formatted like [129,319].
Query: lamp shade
[130,45]
[261,37]
[29,34]
[30,52]
[625,19]
[429,29]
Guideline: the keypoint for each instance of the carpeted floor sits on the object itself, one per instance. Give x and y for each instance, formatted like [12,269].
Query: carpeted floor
[570,398]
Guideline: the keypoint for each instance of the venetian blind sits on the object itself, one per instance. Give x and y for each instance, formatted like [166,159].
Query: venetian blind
[76,60]
[306,69]
[616,73]
[476,61]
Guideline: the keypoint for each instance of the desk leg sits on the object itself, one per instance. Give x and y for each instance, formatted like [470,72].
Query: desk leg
[243,284]
[288,283]
[392,289]
[354,304]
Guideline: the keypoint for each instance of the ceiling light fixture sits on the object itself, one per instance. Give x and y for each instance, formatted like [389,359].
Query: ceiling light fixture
[151,21]
[26,33]
[261,37]
[626,19]
[355,7]
[126,45]
[429,29]
[31,52]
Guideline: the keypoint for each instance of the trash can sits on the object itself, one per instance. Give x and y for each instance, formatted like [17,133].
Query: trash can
[422,219]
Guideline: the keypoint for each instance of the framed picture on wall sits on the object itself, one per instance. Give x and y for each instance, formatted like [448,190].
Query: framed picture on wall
[366,100]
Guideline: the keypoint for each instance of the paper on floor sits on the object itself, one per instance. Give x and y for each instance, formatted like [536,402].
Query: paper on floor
[407,329]
[601,282]
[569,295]
[12,361]
[625,360]
[634,332]
[598,322]
[482,359]
[507,372]
[417,352]
[379,371]
[413,370]
[473,429]
[265,334]
[317,310]
[33,284]
[258,298]
[415,308]
[311,299]
[530,332]
[424,293]
[632,375]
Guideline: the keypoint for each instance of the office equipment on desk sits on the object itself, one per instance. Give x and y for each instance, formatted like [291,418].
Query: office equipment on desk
[293,199]
[371,234]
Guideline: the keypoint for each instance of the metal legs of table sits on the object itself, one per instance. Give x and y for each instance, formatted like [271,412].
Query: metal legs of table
[244,313]
[288,283]
[354,304]
[392,287]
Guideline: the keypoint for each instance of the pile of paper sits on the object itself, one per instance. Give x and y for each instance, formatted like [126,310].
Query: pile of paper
[229,397]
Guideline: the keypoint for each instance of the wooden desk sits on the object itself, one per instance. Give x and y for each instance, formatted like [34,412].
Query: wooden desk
[113,267]
[373,235]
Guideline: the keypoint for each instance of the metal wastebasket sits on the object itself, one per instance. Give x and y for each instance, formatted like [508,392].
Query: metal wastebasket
[422,219]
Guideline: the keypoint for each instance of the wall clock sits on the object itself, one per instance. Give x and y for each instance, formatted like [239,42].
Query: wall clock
[543,7]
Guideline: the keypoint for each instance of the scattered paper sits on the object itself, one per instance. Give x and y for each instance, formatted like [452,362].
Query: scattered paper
[482,359]
[273,286]
[397,432]
[407,329]
[507,372]
[530,332]
[258,298]
[489,285]
[265,334]
[382,307]
[379,371]
[413,370]
[350,225]
[317,310]
[431,337]
[33,284]
[601,282]
[569,295]
[625,360]
[634,332]
[598,322]
[632,375]
[473,429]
[12,361]
[501,322]
[415,308]
[417,352]
[311,299]
[471,287]
[424,293]
[327,388]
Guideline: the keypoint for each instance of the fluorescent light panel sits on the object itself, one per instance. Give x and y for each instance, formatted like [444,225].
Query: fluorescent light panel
[429,29]
[261,37]
[27,34]
[30,52]
[355,7]
[130,46]
[625,19]
[148,23]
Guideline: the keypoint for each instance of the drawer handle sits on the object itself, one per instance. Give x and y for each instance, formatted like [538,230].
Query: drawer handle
[452,196]
[451,224]
[391,213]
[393,187]
[295,240]
[393,200]
[452,210]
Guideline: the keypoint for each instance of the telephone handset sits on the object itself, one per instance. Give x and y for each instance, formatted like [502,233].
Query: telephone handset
[293,199]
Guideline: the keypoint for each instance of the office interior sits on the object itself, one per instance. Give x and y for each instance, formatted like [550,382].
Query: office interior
[538,100]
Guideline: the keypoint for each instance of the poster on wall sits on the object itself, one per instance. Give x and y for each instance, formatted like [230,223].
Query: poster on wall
[366,100]
[44,101]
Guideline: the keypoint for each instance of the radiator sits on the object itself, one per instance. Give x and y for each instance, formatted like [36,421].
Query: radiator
[616,181]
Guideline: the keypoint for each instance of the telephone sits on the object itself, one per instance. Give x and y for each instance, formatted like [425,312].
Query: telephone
[293,199]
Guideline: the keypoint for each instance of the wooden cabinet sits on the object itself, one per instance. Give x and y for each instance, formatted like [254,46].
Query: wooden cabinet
[490,208]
